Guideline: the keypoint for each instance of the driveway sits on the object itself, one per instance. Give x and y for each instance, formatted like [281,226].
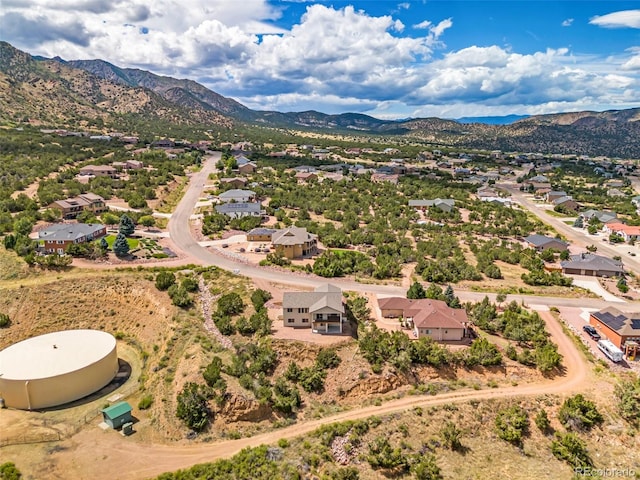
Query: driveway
[593,285]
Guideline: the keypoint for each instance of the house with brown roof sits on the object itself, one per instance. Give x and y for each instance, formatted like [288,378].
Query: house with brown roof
[427,317]
[235,182]
[304,177]
[322,310]
[72,207]
[617,326]
[294,242]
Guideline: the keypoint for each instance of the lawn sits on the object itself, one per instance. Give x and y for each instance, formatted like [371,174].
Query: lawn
[133,242]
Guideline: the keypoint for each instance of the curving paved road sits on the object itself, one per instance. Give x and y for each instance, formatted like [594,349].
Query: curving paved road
[181,236]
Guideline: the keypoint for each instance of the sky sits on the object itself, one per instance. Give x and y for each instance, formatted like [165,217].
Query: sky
[388,59]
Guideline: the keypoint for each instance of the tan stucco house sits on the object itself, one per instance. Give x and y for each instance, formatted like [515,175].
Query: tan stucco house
[321,310]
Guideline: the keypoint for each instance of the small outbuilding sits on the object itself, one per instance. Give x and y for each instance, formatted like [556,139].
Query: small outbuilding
[117,415]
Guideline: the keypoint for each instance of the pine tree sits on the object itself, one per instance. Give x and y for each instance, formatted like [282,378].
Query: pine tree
[127,227]
[416,290]
[120,246]
[450,298]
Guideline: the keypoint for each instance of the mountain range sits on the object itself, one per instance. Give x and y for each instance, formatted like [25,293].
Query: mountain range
[97,93]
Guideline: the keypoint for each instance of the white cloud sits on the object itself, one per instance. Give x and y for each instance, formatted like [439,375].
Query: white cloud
[422,25]
[621,19]
[333,60]
[568,22]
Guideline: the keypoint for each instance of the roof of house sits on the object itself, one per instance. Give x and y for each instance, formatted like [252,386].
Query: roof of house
[542,240]
[618,227]
[426,313]
[561,200]
[557,193]
[292,236]
[236,193]
[116,410]
[325,295]
[247,207]
[233,179]
[604,217]
[623,323]
[261,231]
[436,202]
[98,168]
[69,231]
[590,261]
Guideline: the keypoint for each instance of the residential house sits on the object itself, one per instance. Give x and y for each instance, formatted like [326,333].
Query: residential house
[553,194]
[235,182]
[134,165]
[57,237]
[446,204]
[566,203]
[294,242]
[627,232]
[617,326]
[247,168]
[427,317]
[237,195]
[240,210]
[260,234]
[614,192]
[322,310]
[600,216]
[164,143]
[71,207]
[542,242]
[304,169]
[593,265]
[304,177]
[615,183]
[99,171]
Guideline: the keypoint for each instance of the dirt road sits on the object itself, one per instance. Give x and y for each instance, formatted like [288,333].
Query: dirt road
[96,455]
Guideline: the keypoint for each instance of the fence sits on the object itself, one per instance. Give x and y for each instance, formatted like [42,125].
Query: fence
[57,430]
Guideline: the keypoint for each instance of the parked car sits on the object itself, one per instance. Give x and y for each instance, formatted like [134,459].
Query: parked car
[592,332]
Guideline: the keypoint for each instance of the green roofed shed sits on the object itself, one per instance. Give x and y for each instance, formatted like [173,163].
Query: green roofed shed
[117,414]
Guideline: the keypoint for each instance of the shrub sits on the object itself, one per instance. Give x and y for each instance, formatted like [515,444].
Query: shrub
[570,448]
[327,358]
[512,424]
[312,379]
[542,421]
[383,456]
[259,297]
[192,407]
[145,402]
[230,304]
[179,296]
[450,435]
[5,321]
[8,471]
[628,394]
[190,284]
[164,280]
[578,413]
[426,468]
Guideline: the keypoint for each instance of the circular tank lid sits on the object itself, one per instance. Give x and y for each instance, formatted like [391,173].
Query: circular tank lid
[54,354]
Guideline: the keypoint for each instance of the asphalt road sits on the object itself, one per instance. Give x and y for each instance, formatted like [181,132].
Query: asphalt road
[181,236]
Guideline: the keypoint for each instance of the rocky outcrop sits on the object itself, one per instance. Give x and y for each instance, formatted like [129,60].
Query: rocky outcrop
[375,385]
[238,408]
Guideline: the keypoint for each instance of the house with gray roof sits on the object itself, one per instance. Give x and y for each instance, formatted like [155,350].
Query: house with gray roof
[241,209]
[321,310]
[237,195]
[444,204]
[56,238]
[601,216]
[567,203]
[542,242]
[593,265]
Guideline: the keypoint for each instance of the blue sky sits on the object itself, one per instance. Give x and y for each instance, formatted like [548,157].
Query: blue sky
[389,59]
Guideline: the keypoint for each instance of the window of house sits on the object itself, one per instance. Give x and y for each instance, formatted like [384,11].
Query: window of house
[303,310]
[289,310]
[290,320]
[305,320]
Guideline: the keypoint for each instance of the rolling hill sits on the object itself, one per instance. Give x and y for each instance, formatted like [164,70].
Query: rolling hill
[95,93]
